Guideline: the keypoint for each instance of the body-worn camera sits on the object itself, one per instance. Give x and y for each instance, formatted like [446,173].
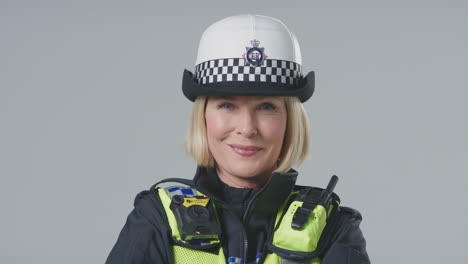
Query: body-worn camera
[196,217]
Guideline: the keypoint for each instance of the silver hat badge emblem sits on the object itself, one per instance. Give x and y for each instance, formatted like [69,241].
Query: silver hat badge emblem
[254,55]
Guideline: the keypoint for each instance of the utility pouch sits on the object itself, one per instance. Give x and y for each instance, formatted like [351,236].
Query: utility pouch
[298,232]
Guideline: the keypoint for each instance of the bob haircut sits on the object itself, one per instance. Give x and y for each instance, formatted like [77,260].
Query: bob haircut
[295,144]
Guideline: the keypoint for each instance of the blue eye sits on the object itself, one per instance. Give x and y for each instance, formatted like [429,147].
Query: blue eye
[226,106]
[267,106]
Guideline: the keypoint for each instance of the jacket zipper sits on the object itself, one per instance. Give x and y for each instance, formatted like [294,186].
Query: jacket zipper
[244,218]
[246,245]
[246,242]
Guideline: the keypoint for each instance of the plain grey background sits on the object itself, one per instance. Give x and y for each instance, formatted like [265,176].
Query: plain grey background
[91,113]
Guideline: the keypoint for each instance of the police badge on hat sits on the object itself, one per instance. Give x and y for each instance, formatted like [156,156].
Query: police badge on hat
[254,56]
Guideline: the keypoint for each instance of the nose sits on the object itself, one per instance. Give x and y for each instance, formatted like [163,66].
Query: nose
[247,124]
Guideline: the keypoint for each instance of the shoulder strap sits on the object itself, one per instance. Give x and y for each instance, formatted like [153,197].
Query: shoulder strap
[178,180]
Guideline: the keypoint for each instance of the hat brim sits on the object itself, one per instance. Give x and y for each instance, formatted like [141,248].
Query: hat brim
[192,88]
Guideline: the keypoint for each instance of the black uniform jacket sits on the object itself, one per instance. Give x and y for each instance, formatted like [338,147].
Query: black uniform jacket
[246,217]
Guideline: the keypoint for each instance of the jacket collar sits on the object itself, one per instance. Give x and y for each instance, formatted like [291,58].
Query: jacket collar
[269,198]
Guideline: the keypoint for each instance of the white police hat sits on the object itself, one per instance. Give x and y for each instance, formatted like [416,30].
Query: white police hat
[248,55]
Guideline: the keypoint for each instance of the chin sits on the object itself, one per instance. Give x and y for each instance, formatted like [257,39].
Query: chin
[247,170]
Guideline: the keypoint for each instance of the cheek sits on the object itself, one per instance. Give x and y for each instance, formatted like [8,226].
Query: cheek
[275,130]
[216,125]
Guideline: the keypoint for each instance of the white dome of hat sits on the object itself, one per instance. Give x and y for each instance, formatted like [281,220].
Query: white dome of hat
[248,55]
[229,37]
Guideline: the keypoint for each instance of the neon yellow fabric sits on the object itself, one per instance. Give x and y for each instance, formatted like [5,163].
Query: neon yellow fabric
[305,239]
[275,259]
[272,259]
[183,255]
[315,261]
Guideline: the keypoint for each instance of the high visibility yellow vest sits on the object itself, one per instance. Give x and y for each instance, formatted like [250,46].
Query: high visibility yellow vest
[302,241]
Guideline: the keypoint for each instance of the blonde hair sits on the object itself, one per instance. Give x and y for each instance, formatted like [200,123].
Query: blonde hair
[295,145]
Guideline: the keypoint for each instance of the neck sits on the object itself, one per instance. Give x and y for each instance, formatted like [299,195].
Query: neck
[256,182]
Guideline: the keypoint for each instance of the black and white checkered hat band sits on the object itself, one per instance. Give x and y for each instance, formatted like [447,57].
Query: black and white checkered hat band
[234,69]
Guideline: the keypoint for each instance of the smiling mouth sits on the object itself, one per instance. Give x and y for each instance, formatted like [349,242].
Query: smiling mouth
[245,151]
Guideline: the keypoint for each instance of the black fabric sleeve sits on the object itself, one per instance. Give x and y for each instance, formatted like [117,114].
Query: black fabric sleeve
[144,237]
[349,246]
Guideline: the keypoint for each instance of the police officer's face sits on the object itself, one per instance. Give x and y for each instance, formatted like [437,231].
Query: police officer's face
[245,136]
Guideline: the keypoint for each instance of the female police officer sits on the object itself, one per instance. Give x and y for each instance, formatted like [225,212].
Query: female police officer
[247,129]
